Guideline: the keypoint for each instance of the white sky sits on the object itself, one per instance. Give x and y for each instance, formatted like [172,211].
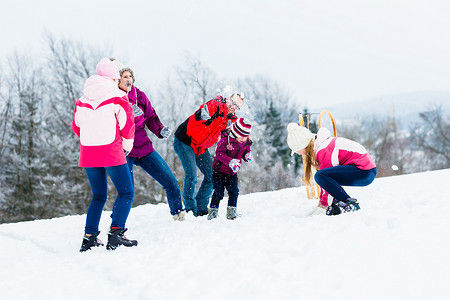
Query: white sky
[325,52]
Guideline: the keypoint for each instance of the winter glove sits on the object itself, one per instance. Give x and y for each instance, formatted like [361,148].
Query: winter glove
[165,132]
[205,113]
[137,111]
[235,164]
[248,157]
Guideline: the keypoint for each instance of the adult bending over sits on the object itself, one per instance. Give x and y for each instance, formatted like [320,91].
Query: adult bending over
[192,140]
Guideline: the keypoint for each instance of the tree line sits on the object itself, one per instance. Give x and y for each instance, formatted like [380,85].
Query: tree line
[39,174]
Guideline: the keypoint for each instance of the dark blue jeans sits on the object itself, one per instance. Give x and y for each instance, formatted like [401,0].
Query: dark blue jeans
[156,167]
[220,182]
[332,179]
[120,176]
[190,161]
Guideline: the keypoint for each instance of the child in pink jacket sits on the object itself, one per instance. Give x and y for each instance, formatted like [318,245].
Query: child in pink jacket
[104,122]
[339,161]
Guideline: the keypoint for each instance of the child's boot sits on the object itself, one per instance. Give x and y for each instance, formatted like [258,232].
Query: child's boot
[90,241]
[231,213]
[213,213]
[116,238]
[179,216]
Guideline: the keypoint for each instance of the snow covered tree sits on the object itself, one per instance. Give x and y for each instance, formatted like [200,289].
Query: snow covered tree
[22,164]
[270,110]
[199,82]
[69,64]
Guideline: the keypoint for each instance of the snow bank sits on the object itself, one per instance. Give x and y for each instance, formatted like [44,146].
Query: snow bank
[395,247]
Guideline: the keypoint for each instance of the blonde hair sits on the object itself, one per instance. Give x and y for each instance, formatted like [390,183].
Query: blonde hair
[310,161]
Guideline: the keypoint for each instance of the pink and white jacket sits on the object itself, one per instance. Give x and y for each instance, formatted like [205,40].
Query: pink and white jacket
[336,151]
[104,122]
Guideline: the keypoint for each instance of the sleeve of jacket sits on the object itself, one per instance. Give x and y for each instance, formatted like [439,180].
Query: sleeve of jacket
[247,150]
[125,119]
[151,118]
[221,154]
[212,109]
[75,127]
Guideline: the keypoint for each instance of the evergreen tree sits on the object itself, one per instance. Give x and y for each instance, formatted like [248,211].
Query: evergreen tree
[275,136]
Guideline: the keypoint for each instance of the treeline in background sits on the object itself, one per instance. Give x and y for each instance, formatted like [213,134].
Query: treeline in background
[39,174]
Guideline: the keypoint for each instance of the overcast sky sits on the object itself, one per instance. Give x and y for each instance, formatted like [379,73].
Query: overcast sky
[325,52]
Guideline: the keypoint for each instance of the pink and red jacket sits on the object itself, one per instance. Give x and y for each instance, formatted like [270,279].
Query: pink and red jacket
[336,151]
[104,122]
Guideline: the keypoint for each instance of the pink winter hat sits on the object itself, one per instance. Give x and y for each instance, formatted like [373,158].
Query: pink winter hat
[107,68]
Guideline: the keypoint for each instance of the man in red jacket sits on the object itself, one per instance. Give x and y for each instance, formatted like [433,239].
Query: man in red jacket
[192,140]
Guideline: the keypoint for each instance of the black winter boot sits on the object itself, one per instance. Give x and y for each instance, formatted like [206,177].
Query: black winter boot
[116,238]
[90,241]
[349,205]
[333,210]
[345,206]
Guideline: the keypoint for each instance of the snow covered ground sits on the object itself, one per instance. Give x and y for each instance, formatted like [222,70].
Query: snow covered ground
[396,247]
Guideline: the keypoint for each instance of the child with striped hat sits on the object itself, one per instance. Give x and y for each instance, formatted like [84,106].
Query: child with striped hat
[233,147]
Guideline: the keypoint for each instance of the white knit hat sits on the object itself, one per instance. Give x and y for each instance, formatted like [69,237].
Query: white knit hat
[122,68]
[298,137]
[118,64]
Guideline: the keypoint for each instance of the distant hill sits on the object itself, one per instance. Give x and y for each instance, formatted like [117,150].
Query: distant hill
[405,107]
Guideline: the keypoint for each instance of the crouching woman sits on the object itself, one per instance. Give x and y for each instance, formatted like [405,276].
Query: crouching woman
[339,161]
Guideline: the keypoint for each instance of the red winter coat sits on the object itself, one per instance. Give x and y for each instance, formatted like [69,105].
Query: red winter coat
[201,134]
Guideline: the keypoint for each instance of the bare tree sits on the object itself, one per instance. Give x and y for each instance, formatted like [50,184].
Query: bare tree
[200,82]
[431,136]
[388,145]
[183,91]
[69,64]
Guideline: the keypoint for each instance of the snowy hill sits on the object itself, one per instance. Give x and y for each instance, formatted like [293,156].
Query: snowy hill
[395,247]
[405,107]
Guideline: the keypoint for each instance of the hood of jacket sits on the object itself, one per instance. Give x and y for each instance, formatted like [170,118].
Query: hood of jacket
[98,89]
[323,138]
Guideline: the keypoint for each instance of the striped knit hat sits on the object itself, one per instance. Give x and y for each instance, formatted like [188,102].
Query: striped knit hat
[241,128]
